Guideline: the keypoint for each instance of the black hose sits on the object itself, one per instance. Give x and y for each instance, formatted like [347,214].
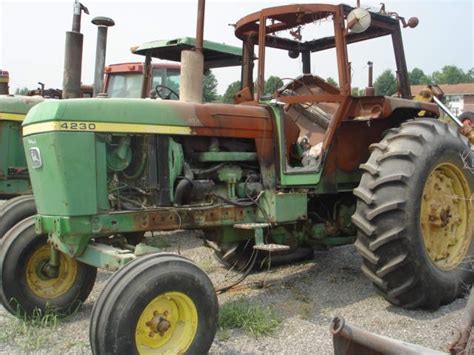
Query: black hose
[251,264]
[184,186]
[209,170]
[236,203]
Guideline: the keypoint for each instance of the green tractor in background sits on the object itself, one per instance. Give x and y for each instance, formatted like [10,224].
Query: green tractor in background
[309,166]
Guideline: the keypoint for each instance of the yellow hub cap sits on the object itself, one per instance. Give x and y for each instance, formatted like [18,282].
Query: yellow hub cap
[167,325]
[445,213]
[43,285]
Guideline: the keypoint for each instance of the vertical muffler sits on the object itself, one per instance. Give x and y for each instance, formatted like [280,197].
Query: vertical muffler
[102,23]
[369,90]
[73,55]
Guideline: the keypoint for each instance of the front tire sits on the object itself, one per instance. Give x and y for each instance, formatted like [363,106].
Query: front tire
[14,211]
[158,303]
[25,288]
[414,215]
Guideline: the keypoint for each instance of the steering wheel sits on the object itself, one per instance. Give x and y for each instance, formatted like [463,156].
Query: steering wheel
[159,88]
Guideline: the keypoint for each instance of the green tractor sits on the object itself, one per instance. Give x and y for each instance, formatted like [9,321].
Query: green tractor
[14,180]
[309,166]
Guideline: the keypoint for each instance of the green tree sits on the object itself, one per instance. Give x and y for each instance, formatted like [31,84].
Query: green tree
[450,74]
[209,87]
[385,84]
[231,91]
[418,77]
[332,82]
[21,91]
[355,92]
[272,84]
[470,76]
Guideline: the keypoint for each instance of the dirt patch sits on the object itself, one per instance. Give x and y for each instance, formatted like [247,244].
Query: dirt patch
[306,296]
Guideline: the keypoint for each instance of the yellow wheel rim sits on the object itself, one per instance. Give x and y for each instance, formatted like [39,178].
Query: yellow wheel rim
[445,213]
[167,325]
[44,286]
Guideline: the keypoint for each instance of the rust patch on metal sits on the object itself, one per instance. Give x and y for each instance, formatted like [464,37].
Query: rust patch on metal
[188,218]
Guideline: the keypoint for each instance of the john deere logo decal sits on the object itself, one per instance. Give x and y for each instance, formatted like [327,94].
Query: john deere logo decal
[35,156]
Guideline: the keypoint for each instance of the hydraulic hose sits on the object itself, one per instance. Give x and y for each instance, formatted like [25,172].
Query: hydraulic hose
[184,186]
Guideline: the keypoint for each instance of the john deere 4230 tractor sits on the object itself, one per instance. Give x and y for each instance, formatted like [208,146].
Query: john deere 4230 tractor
[309,166]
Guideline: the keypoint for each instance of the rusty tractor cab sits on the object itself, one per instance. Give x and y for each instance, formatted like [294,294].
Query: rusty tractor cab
[314,110]
[267,180]
[126,79]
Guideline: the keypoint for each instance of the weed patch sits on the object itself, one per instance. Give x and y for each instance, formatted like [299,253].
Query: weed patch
[253,319]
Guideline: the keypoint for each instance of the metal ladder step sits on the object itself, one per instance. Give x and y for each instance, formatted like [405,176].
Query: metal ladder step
[251,225]
[271,248]
[259,240]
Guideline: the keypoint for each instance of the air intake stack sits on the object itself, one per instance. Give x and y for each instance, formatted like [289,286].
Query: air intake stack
[192,63]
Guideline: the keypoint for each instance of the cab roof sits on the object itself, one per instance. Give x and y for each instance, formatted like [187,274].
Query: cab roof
[216,55]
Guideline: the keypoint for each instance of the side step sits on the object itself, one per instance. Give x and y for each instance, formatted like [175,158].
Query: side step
[271,248]
[251,225]
[259,242]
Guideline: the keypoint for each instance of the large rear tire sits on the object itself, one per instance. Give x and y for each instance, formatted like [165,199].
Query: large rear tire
[14,211]
[158,303]
[414,214]
[26,288]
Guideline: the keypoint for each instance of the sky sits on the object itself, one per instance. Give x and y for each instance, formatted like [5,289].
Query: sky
[32,35]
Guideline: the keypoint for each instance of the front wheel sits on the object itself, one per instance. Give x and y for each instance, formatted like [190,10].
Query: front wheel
[27,287]
[159,303]
[414,214]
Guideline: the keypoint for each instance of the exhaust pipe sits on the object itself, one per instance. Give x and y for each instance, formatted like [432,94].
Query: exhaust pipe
[350,340]
[102,23]
[73,55]
[192,63]
[369,90]
[4,80]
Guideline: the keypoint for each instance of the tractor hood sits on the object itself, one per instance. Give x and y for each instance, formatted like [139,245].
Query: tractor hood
[14,108]
[67,142]
[148,116]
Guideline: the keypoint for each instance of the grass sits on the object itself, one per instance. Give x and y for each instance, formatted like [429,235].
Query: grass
[254,319]
[29,334]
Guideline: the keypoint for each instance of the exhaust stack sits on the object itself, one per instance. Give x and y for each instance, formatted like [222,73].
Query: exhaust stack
[4,80]
[192,63]
[73,55]
[369,90]
[102,23]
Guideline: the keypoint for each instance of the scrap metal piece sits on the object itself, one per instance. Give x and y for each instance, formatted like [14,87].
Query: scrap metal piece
[464,343]
[350,340]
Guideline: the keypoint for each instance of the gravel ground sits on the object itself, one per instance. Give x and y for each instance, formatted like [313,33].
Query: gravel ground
[306,296]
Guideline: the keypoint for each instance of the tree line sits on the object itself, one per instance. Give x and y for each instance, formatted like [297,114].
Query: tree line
[385,84]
